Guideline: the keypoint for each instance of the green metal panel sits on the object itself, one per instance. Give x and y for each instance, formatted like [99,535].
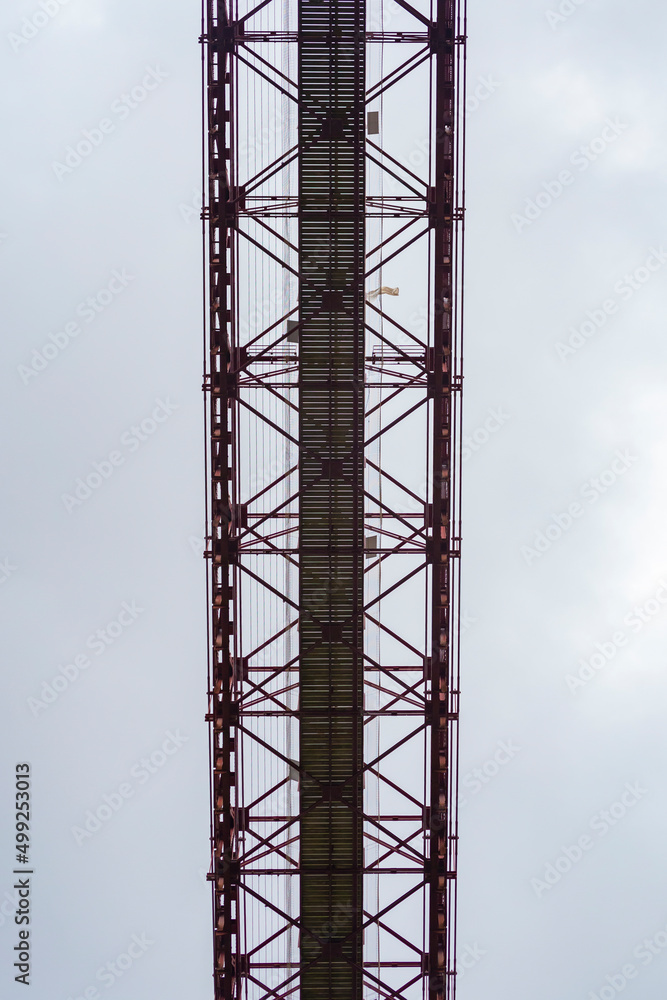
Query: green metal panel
[331,192]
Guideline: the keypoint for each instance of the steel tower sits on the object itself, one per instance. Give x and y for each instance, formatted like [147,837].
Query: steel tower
[333,581]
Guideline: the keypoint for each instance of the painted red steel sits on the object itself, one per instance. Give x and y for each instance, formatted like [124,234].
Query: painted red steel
[254,839]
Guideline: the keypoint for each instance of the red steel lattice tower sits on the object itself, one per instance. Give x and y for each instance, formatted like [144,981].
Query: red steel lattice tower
[333,511]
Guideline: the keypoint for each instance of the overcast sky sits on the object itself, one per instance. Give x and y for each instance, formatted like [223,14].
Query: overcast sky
[565,548]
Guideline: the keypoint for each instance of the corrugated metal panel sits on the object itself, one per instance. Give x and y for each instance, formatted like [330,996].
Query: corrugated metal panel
[331,122]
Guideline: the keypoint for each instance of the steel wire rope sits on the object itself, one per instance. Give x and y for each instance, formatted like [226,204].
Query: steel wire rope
[258,442]
[429,637]
[372,695]
[271,727]
[460,132]
[274,409]
[279,947]
[207,403]
[374,731]
[285,111]
[256,449]
[267,454]
[263,564]
[380,441]
[285,942]
[266,300]
[240,446]
[370,636]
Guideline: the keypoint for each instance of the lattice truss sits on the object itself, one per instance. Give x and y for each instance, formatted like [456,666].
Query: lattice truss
[414,212]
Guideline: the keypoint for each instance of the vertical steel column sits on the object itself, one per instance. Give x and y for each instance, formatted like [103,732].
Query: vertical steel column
[219,384]
[262,840]
[442,222]
[331,379]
